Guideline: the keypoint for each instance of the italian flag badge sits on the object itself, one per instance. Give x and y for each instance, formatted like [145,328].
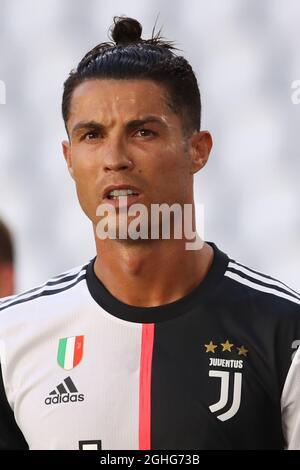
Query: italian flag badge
[70,351]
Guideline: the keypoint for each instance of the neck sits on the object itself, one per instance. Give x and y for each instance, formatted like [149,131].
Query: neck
[149,273]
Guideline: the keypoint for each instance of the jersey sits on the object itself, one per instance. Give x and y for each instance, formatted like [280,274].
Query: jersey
[80,369]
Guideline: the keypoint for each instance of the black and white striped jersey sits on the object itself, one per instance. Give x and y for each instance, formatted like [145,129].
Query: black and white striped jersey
[82,370]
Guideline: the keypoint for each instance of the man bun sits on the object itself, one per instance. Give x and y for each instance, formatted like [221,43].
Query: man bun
[126,30]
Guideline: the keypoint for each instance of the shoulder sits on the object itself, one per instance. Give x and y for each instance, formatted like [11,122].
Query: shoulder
[50,289]
[268,310]
[255,286]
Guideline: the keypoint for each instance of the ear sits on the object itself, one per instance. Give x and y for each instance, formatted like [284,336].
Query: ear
[66,146]
[201,144]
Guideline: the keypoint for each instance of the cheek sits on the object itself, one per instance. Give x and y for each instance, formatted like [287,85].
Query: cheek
[170,175]
[84,167]
[85,173]
[171,164]
[86,184]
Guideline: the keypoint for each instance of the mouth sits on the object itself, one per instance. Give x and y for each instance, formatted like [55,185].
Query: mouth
[115,192]
[122,195]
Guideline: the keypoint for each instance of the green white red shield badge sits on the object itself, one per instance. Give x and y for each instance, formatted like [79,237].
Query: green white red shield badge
[70,352]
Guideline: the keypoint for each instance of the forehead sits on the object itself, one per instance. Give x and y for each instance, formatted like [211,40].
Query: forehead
[108,98]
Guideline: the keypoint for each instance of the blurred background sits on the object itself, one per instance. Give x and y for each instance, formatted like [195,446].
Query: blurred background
[245,55]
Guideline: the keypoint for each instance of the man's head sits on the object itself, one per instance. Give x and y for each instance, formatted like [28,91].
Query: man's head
[6,262]
[132,112]
[131,57]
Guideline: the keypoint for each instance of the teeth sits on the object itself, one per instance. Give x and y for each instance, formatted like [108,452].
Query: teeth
[120,192]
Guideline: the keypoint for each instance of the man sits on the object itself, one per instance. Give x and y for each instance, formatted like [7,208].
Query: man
[150,345]
[6,262]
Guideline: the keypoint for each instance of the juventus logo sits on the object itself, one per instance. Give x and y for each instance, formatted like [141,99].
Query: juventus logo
[223,401]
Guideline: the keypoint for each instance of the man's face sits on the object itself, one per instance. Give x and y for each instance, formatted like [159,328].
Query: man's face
[123,132]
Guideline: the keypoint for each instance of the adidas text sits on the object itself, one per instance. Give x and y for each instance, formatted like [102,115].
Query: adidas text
[66,398]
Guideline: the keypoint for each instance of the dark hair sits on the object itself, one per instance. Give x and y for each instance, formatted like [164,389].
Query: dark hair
[6,245]
[130,57]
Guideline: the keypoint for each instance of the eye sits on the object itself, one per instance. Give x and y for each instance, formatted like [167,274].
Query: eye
[91,135]
[145,133]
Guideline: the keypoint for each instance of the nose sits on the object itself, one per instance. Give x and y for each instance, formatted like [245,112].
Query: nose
[116,157]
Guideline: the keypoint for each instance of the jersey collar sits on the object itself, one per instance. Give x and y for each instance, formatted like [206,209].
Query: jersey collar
[191,301]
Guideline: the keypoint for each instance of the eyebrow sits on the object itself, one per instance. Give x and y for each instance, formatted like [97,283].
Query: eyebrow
[88,125]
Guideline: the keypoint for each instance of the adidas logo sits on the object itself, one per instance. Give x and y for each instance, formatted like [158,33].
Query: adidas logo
[65,392]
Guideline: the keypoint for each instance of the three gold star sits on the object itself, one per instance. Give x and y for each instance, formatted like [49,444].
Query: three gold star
[227,346]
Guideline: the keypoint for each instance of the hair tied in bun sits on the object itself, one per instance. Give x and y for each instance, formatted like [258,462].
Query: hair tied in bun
[126,30]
